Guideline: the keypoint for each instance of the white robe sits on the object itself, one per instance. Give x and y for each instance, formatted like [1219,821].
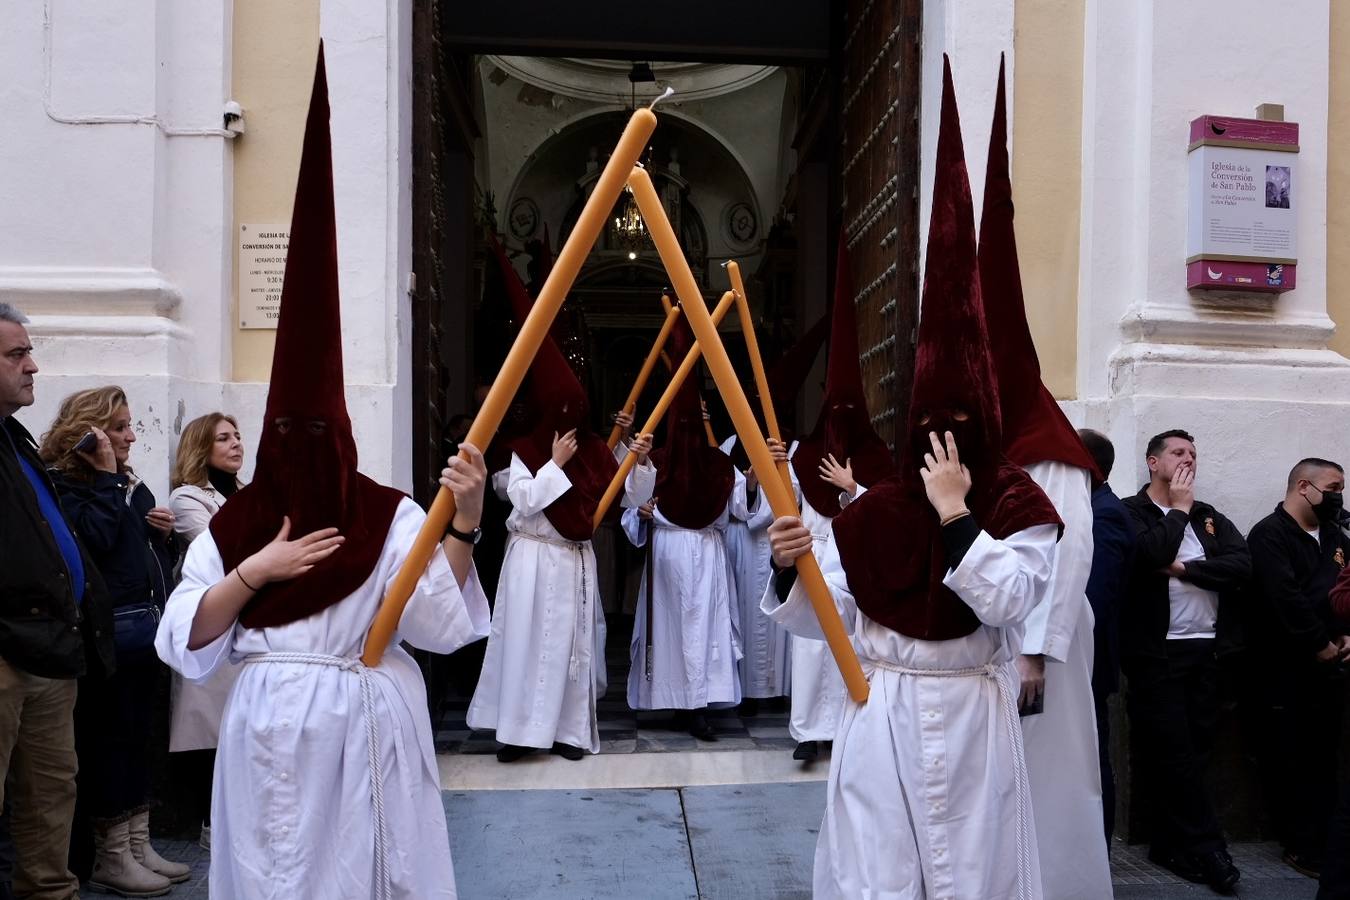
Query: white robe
[694,645]
[545,665]
[927,798]
[1061,742]
[292,813]
[765,668]
[195,709]
[818,691]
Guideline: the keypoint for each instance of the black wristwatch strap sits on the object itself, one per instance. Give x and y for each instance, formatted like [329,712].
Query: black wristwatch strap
[468,537]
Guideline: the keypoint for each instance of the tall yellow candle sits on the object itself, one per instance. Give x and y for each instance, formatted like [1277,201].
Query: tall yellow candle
[532,333]
[780,497]
[672,313]
[756,362]
[676,380]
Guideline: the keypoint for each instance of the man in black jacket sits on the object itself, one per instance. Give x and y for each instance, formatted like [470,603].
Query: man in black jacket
[55,625]
[1297,553]
[1112,550]
[1182,613]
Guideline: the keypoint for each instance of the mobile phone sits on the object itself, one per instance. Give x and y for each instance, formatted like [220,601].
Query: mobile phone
[87,443]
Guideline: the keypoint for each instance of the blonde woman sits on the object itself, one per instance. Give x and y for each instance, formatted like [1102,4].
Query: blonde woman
[205,475]
[131,540]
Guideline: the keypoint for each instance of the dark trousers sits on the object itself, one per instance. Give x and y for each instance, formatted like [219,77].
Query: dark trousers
[1174,708]
[1336,864]
[1104,761]
[113,720]
[1304,704]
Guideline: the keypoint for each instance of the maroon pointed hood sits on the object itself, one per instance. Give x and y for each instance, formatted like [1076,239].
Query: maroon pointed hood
[890,540]
[693,480]
[1034,428]
[306,465]
[844,428]
[556,403]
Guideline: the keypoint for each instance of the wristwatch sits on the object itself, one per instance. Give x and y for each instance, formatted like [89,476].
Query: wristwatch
[468,537]
[845,498]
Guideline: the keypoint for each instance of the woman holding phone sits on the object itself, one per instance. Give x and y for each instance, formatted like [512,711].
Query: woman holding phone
[131,540]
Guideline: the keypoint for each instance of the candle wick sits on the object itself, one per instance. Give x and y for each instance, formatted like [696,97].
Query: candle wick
[664,94]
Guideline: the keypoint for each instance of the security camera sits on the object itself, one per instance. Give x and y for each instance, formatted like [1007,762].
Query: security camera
[234,118]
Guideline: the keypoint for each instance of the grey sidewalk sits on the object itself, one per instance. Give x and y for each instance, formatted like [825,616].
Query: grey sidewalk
[729,842]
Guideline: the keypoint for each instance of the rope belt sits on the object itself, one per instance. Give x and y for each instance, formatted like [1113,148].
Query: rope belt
[583,621]
[1007,697]
[383,885]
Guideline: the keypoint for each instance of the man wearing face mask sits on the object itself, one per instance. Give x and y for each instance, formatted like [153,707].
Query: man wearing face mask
[1298,551]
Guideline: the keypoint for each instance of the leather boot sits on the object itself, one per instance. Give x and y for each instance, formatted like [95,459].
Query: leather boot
[145,854]
[116,870]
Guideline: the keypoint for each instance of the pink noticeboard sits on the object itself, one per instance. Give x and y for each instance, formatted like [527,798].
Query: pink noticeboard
[1241,233]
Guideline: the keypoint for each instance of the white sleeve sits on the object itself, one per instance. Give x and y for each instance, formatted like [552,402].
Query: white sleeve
[1049,628]
[1001,581]
[796,613]
[530,492]
[202,570]
[190,515]
[639,485]
[634,527]
[440,616]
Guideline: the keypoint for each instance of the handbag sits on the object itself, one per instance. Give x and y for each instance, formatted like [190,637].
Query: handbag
[134,628]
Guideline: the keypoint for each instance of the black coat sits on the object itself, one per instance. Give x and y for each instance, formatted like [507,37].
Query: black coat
[136,560]
[1112,553]
[43,631]
[1226,570]
[1289,601]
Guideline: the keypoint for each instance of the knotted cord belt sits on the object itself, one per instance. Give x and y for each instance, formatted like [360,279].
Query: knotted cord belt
[383,885]
[580,586]
[1007,697]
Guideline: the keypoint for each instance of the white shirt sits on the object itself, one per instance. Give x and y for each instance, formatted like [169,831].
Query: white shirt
[1194,609]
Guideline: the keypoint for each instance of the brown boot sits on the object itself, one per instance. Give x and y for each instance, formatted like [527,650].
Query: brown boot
[145,853]
[116,871]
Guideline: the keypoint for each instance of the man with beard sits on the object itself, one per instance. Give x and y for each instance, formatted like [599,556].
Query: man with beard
[933,570]
[1180,617]
[326,779]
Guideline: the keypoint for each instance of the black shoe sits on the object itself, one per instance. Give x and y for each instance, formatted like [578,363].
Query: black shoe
[700,729]
[1303,864]
[1220,873]
[807,751]
[1182,865]
[567,751]
[512,752]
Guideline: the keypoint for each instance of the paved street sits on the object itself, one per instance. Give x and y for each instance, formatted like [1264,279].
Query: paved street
[714,842]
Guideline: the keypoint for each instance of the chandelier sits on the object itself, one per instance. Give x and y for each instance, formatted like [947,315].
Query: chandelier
[629,228]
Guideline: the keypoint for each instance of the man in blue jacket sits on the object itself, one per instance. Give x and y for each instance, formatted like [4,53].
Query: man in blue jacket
[1112,548]
[55,625]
